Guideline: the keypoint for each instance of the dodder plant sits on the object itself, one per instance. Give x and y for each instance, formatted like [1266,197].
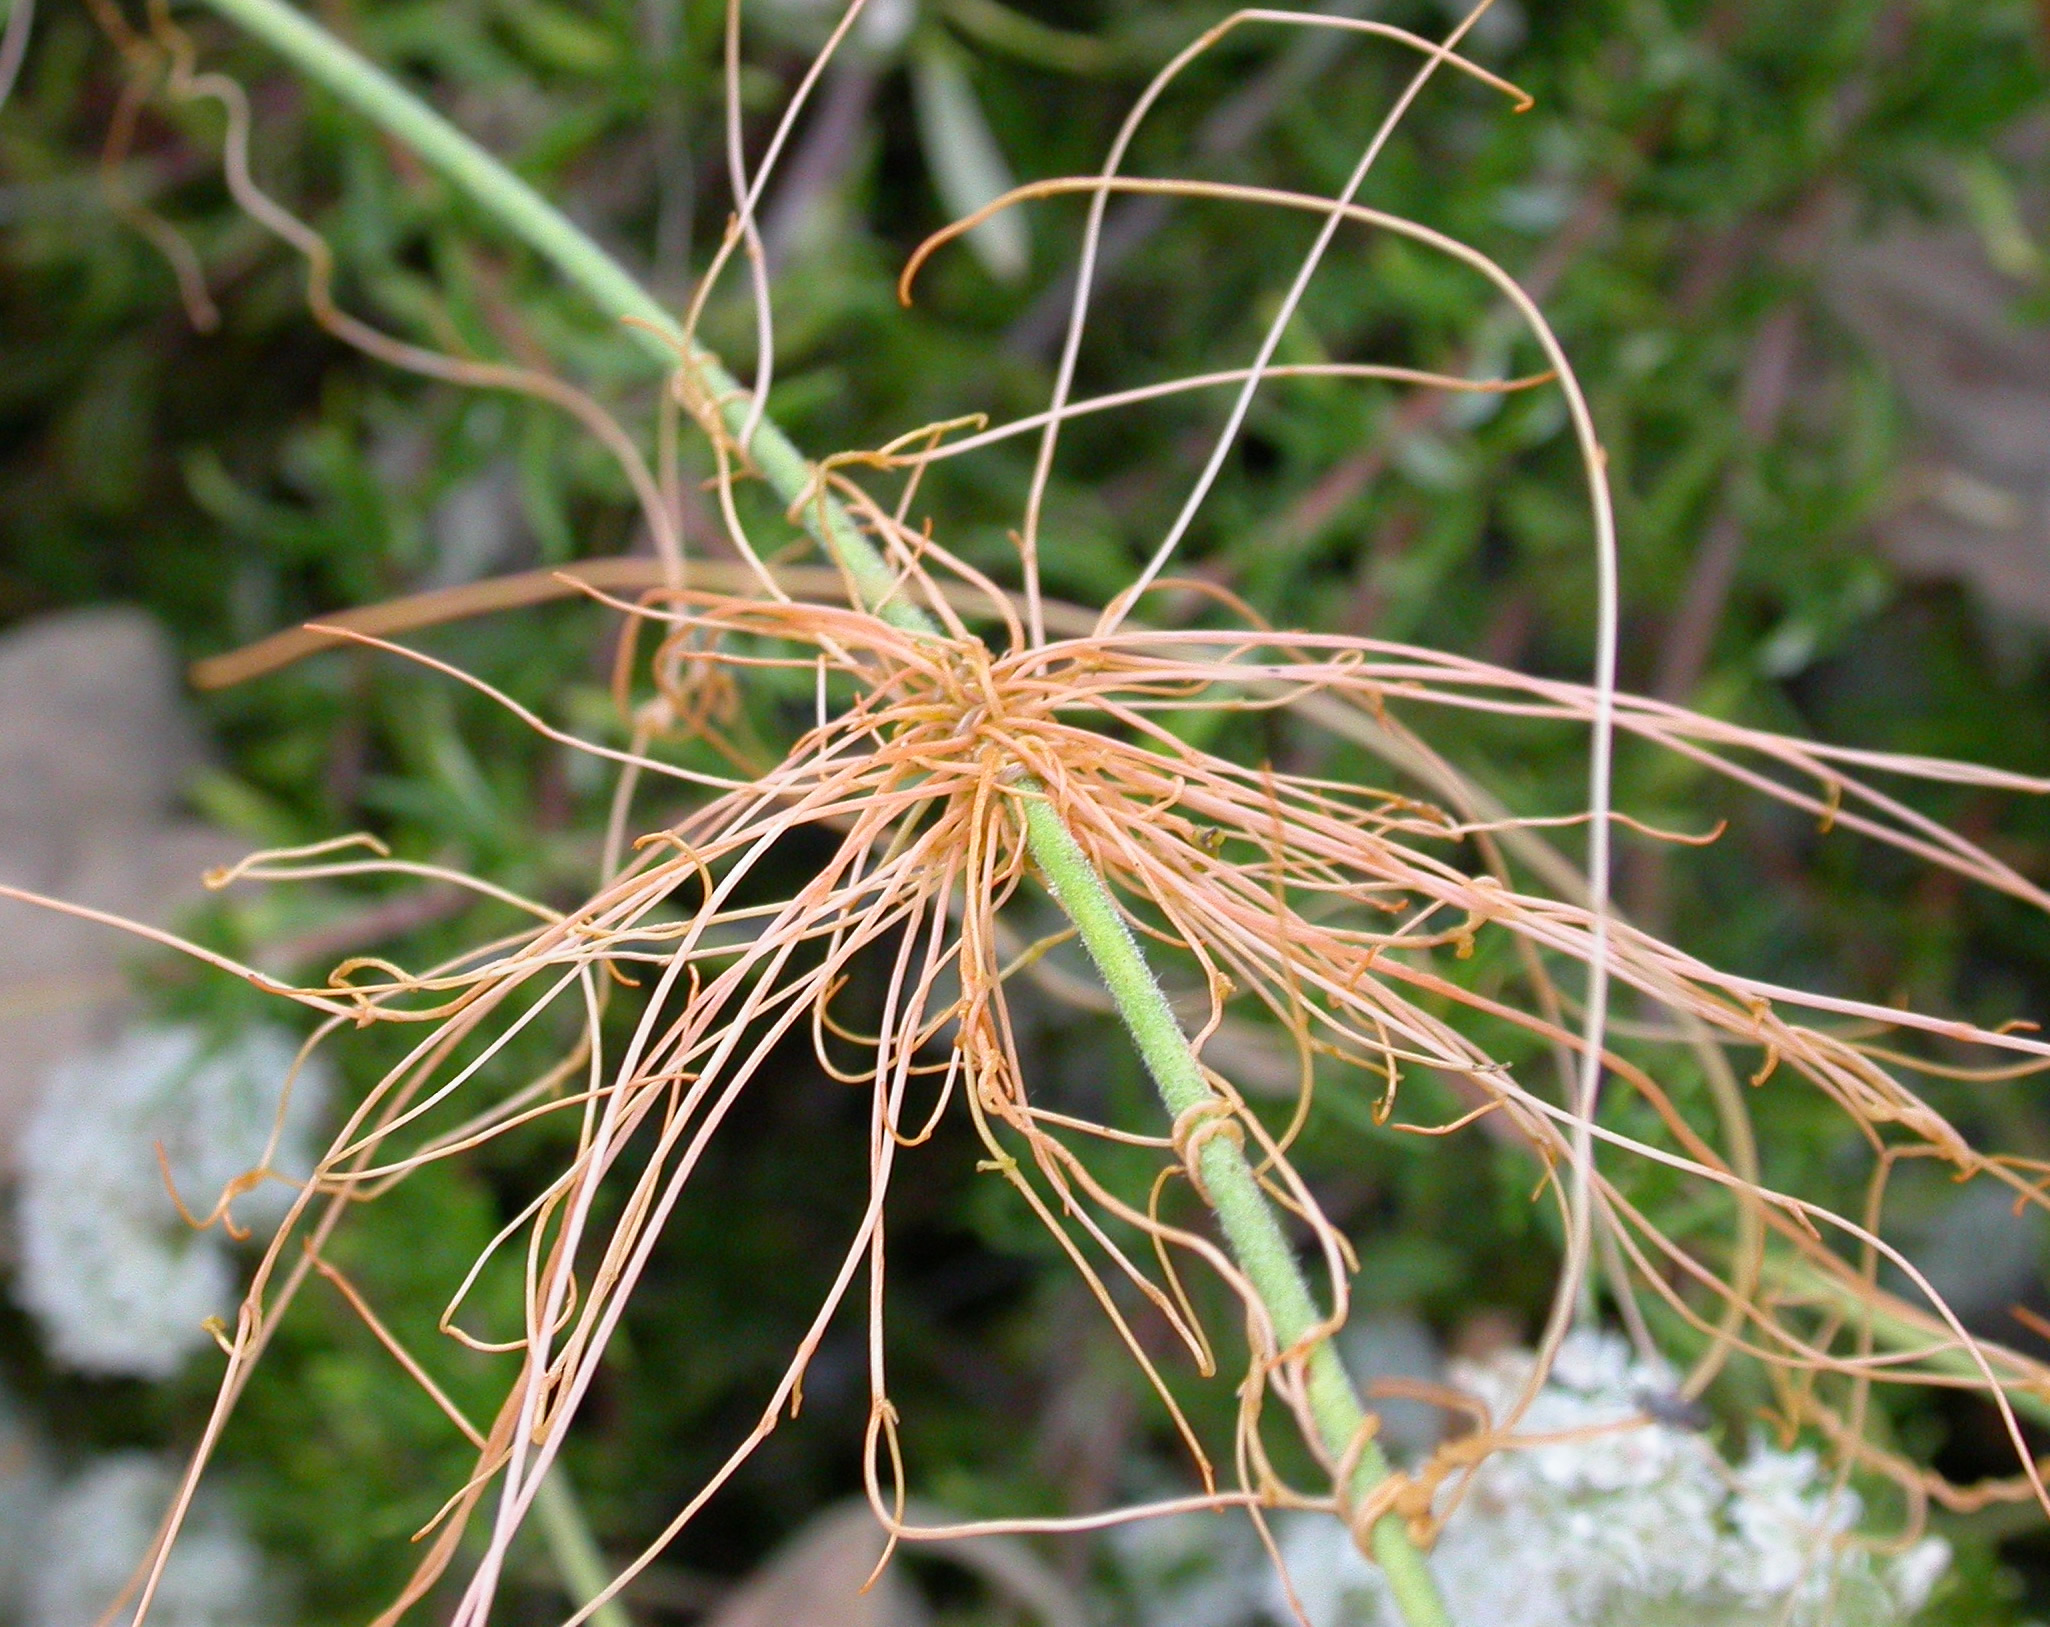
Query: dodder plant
[975,744]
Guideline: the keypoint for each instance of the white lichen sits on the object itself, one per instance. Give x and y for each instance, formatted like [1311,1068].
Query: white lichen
[117,1281]
[102,1525]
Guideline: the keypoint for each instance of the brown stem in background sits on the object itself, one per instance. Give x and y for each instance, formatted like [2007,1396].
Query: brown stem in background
[374,924]
[1683,655]
[1391,540]
[1761,401]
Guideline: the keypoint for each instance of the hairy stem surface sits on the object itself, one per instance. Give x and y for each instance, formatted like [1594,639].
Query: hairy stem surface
[1257,1241]
[1248,1221]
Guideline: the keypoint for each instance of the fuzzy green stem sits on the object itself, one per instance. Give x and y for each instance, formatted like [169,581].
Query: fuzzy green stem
[1247,1218]
[1249,1223]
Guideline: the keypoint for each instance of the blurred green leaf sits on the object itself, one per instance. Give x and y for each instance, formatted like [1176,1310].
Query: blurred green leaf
[968,167]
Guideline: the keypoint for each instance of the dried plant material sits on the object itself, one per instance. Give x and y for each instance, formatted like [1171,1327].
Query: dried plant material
[970,747]
[1343,911]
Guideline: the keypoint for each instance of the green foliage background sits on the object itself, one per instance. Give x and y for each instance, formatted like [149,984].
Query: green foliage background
[1664,189]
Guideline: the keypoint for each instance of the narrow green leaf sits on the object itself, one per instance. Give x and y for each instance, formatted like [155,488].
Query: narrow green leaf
[992,23]
[967,165]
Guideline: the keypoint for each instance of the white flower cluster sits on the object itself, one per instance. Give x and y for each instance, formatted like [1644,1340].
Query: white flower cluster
[1630,1523]
[1622,1521]
[117,1281]
[100,1526]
